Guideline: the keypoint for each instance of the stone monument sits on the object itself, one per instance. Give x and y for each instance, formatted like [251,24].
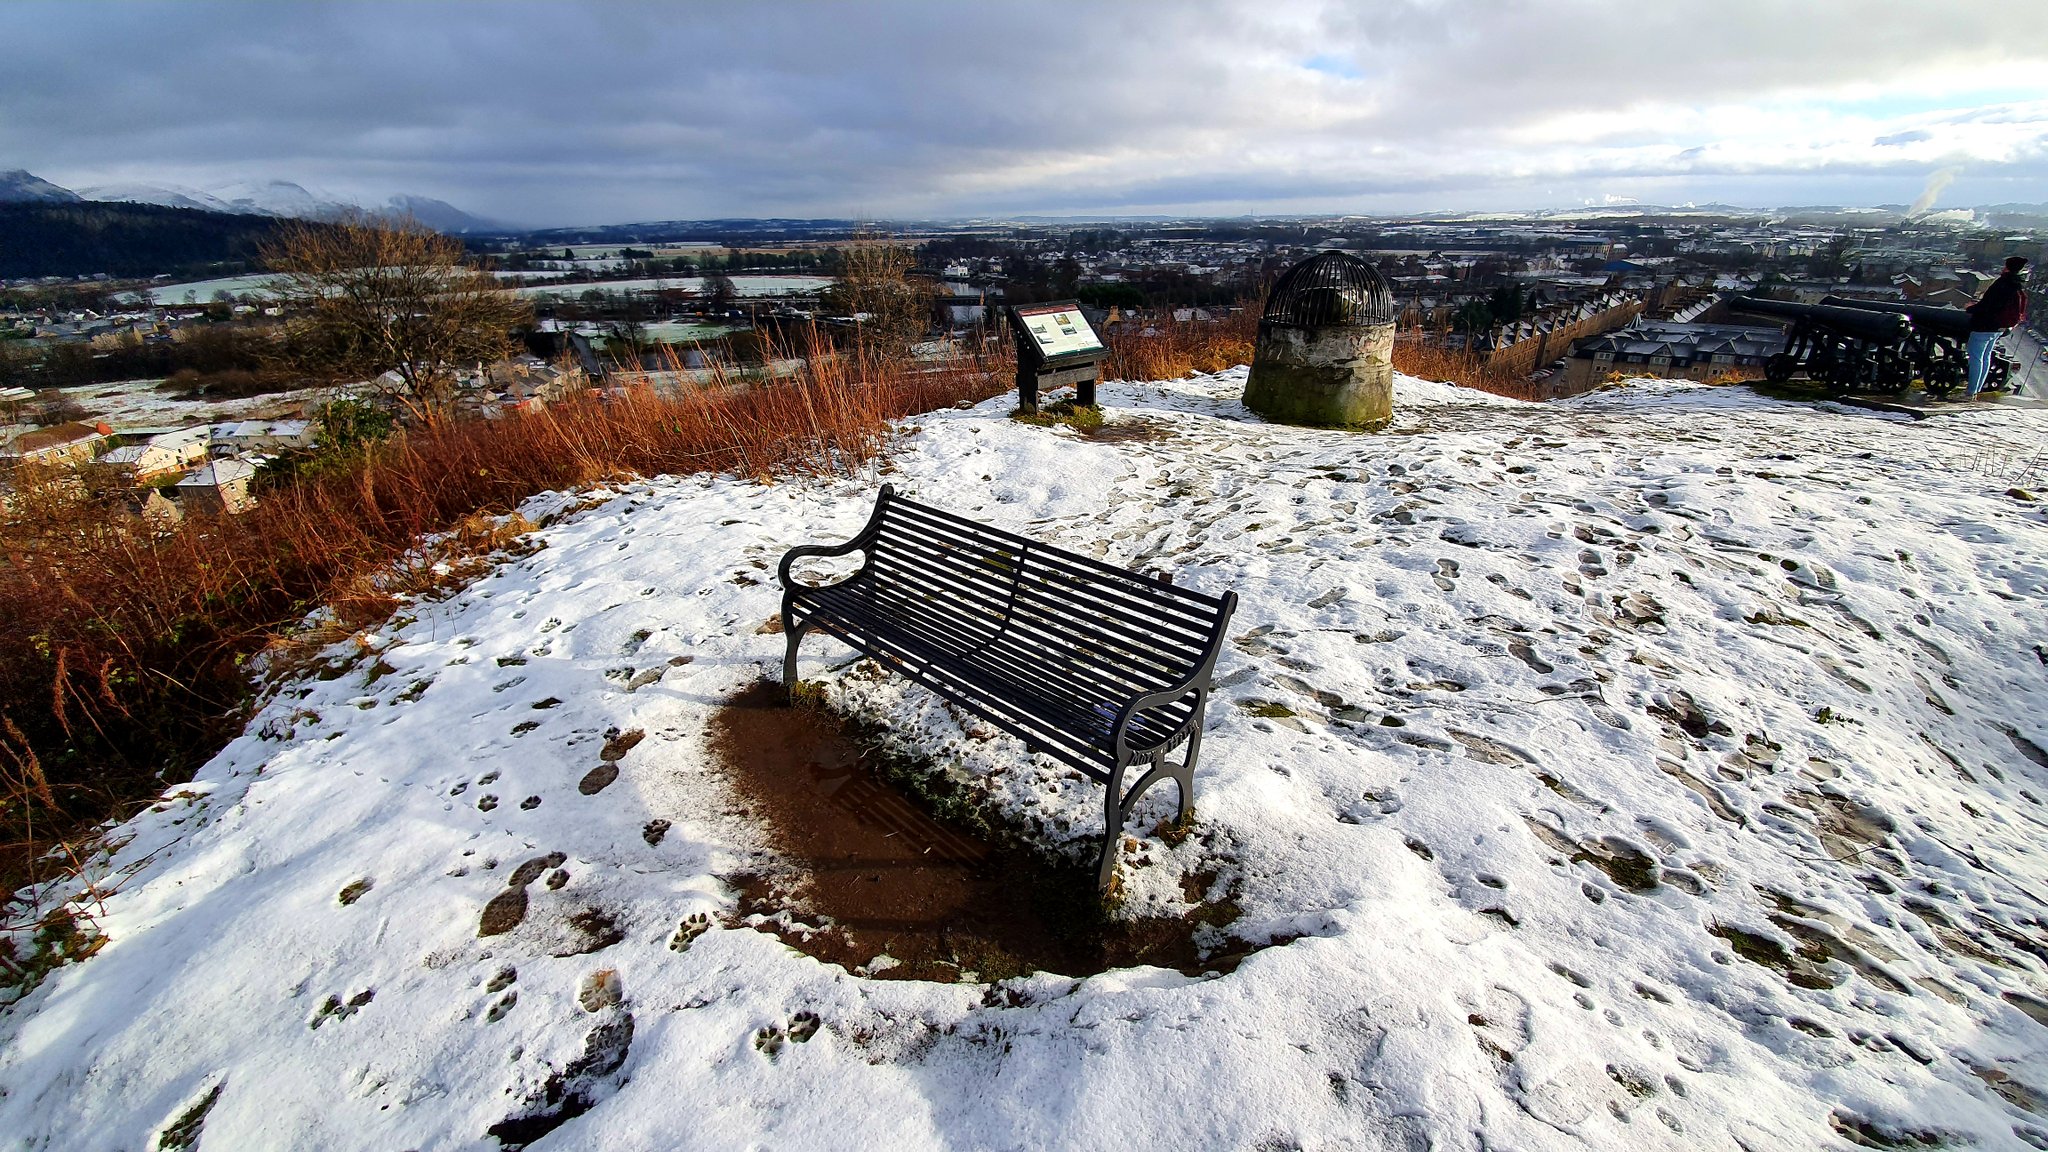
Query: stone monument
[1325,355]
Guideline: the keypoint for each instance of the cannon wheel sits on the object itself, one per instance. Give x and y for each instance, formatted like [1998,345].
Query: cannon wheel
[2000,374]
[1944,372]
[1894,373]
[1779,368]
[1820,362]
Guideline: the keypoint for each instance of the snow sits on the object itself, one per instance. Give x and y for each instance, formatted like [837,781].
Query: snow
[764,285]
[1783,660]
[202,291]
[137,404]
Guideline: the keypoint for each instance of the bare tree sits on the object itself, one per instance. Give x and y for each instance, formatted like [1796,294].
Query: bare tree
[367,296]
[875,284]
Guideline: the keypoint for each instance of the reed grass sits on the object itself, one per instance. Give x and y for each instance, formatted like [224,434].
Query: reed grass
[130,663]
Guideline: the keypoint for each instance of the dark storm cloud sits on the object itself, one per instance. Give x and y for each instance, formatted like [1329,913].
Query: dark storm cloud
[567,112]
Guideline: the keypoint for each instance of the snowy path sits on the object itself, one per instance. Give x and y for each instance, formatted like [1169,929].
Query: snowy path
[1659,769]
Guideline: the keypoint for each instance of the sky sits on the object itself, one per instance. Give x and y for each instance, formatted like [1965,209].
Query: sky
[566,114]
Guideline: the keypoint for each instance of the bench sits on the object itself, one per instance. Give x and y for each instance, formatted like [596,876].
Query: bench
[1097,667]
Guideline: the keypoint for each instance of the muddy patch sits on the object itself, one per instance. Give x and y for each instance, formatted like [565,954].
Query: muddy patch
[1128,429]
[864,877]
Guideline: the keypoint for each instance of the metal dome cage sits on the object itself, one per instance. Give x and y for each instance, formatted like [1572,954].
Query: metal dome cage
[1330,288]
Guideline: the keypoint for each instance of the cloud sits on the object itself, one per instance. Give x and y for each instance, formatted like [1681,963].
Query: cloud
[567,113]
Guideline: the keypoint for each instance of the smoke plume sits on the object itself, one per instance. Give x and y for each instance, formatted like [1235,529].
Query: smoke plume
[1941,179]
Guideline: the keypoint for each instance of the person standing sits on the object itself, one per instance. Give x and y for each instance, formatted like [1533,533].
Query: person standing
[2002,306]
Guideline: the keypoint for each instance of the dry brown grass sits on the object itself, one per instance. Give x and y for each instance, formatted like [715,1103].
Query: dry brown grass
[1171,350]
[1426,360]
[126,669]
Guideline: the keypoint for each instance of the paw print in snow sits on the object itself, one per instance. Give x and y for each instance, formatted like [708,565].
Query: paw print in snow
[803,1026]
[687,932]
[335,1008]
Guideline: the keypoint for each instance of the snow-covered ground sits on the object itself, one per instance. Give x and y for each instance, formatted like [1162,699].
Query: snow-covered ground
[762,285]
[201,291]
[1657,769]
[128,404]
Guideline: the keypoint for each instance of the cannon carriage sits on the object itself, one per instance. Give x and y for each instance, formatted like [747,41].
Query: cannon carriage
[1937,345]
[1847,349]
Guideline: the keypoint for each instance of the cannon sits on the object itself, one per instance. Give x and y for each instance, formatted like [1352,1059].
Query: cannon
[1937,346]
[1847,349]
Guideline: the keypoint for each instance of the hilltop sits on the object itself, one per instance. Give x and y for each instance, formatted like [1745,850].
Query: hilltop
[1661,768]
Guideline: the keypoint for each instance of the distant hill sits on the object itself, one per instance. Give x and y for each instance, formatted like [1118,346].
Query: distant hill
[80,238]
[439,215]
[284,198]
[21,186]
[162,195]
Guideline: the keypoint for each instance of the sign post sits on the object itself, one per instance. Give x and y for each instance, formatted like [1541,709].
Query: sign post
[1055,347]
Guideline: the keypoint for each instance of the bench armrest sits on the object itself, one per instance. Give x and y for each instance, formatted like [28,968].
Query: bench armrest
[794,554]
[1120,729]
[1198,682]
[859,543]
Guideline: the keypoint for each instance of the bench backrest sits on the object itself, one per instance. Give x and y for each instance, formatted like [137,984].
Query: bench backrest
[1055,609]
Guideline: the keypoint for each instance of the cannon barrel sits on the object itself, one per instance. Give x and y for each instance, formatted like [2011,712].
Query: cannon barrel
[1882,327]
[1929,317]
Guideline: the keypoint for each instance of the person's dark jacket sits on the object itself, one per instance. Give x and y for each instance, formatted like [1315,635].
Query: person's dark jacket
[2002,306]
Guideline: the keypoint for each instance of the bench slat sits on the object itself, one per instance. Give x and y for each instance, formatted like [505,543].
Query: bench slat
[1133,595]
[1086,564]
[1160,637]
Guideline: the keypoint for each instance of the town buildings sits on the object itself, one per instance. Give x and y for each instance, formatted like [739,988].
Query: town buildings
[1672,350]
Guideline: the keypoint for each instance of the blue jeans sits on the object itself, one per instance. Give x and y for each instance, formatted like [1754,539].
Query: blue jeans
[1980,358]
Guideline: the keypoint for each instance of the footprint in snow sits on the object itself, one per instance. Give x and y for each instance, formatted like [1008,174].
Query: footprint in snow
[335,1008]
[801,1027]
[183,1132]
[501,981]
[507,909]
[580,1085]
[503,913]
[688,930]
[618,743]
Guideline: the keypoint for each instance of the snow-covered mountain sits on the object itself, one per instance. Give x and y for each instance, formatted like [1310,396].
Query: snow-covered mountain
[283,198]
[20,185]
[164,195]
[280,198]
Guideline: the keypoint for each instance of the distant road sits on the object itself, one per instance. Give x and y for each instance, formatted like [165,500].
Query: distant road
[2026,347]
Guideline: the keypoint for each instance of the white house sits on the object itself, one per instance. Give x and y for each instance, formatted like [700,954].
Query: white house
[262,436]
[219,486]
[189,445]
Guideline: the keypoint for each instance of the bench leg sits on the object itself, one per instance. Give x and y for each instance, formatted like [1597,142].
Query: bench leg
[795,636]
[1117,809]
[1112,833]
[1185,775]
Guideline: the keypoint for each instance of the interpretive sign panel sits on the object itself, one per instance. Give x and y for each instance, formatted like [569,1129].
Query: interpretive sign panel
[1059,330]
[1056,347]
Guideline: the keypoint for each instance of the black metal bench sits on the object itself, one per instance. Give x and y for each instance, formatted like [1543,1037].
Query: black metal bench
[1095,666]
